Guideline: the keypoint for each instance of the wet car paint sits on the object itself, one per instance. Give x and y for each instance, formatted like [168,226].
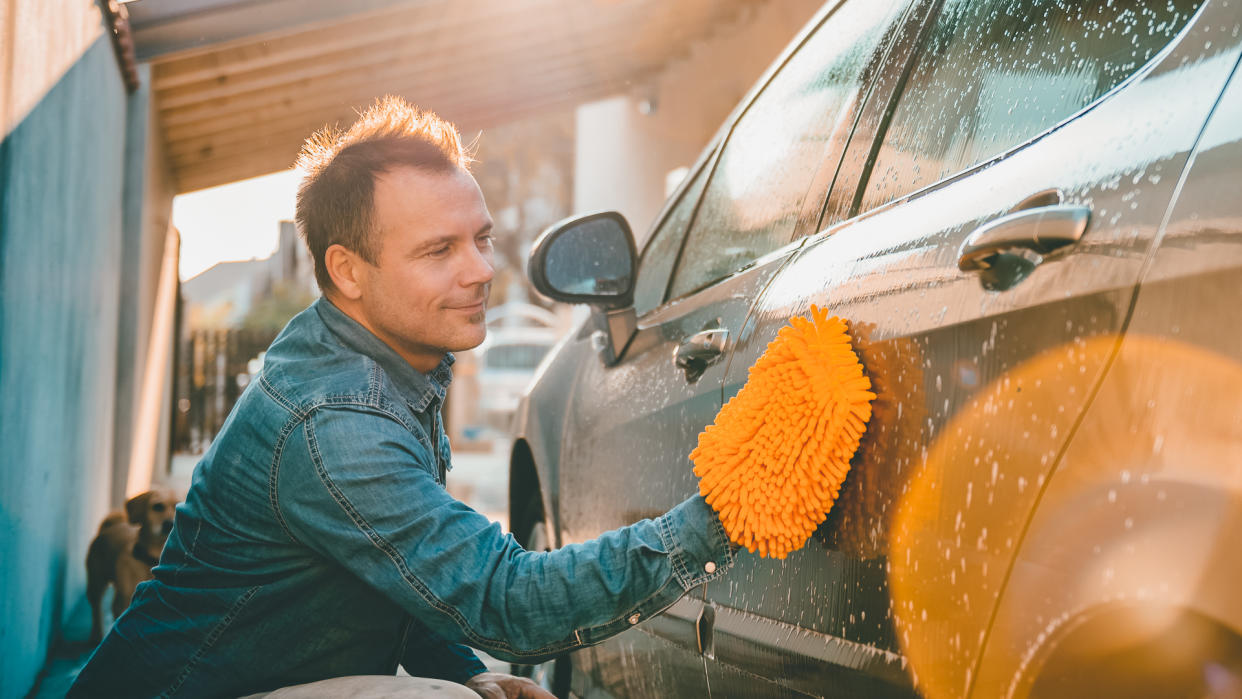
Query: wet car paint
[623,427]
[894,275]
[1154,470]
[914,584]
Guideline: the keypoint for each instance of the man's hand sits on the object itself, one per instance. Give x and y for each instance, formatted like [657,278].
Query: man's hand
[496,685]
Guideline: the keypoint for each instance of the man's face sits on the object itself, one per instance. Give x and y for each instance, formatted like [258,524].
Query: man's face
[427,293]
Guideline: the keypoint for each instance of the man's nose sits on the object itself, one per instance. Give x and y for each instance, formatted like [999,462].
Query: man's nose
[478,268]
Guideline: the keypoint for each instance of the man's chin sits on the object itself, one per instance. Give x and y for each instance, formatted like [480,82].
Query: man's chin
[469,339]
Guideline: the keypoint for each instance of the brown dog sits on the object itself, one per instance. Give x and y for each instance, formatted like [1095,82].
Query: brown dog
[127,546]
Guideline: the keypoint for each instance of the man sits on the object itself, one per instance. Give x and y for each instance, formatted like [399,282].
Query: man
[317,540]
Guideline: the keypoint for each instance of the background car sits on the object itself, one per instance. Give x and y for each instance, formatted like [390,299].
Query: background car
[519,336]
[1030,213]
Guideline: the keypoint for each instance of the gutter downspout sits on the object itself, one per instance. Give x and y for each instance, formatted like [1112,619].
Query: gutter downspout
[117,19]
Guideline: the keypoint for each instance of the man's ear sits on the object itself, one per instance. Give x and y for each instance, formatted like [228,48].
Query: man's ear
[345,268]
[136,507]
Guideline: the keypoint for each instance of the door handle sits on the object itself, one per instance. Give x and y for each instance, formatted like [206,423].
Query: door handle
[1040,230]
[700,351]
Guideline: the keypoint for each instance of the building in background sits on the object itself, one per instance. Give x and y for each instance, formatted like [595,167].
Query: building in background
[230,313]
[234,294]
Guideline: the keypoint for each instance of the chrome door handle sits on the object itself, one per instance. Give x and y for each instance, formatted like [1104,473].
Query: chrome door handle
[700,351]
[1040,230]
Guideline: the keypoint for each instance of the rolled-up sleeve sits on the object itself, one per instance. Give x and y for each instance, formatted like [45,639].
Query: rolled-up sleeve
[358,487]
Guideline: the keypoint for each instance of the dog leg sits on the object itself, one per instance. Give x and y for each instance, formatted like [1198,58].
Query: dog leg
[120,600]
[129,572]
[98,577]
[94,594]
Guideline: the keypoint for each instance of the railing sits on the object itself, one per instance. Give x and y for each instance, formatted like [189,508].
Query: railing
[213,367]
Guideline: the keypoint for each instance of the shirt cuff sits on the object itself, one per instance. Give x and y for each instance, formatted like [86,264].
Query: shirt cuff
[426,654]
[696,542]
[470,666]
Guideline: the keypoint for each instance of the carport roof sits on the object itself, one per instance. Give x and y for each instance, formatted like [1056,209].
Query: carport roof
[240,83]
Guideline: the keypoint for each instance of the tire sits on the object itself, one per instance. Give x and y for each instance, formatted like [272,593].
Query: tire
[1122,652]
[532,533]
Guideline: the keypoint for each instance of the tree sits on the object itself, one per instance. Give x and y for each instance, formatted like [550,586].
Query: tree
[273,311]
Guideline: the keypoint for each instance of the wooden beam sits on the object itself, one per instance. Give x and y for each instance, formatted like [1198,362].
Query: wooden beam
[281,156]
[608,61]
[453,102]
[413,50]
[425,67]
[359,33]
[262,162]
[316,101]
[467,115]
[191,33]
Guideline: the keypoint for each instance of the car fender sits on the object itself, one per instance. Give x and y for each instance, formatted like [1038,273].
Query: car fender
[537,426]
[1139,520]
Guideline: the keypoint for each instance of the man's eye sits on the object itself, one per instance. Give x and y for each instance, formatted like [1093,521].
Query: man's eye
[438,252]
[485,241]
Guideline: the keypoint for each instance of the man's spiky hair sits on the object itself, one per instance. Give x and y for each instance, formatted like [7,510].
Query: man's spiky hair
[336,197]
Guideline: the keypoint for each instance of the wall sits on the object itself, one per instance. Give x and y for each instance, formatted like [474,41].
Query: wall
[61,177]
[146,218]
[39,41]
[624,154]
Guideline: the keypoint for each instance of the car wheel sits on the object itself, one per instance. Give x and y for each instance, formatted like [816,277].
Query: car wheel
[533,534]
[1142,651]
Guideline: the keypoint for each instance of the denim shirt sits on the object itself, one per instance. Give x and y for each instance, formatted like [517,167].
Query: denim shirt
[317,540]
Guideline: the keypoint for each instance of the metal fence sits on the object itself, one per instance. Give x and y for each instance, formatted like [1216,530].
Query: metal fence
[213,367]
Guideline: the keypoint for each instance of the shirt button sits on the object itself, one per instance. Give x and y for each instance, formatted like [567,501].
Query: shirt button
[634,618]
[709,567]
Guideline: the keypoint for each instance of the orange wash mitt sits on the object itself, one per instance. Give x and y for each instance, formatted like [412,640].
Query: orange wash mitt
[774,460]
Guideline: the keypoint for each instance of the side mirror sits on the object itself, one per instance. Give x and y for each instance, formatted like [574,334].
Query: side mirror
[588,259]
[591,259]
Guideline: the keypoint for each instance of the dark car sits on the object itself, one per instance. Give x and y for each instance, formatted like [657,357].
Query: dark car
[1030,214]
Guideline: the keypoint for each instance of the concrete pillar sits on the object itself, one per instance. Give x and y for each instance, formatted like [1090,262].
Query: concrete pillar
[147,219]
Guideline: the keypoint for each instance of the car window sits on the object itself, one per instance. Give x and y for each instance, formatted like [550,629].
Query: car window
[661,252]
[992,74]
[752,202]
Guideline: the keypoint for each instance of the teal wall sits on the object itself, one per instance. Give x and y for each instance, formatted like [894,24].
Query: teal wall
[61,176]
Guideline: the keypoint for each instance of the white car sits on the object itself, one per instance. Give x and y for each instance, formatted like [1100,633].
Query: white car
[509,357]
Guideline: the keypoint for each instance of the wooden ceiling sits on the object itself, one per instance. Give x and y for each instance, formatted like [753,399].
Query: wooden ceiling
[239,85]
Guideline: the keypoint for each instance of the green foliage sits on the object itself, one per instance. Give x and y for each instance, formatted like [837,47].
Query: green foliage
[273,311]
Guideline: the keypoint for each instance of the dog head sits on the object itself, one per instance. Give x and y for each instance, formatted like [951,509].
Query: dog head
[152,511]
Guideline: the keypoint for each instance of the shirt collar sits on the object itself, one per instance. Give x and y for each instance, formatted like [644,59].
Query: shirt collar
[418,389]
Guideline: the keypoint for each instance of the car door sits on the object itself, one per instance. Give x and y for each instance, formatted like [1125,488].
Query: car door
[984,247]
[1146,593]
[630,426]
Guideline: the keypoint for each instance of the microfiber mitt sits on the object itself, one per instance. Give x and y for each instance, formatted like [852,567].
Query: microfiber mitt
[772,463]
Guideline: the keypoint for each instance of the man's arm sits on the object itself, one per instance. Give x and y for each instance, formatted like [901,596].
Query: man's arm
[355,485]
[427,654]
